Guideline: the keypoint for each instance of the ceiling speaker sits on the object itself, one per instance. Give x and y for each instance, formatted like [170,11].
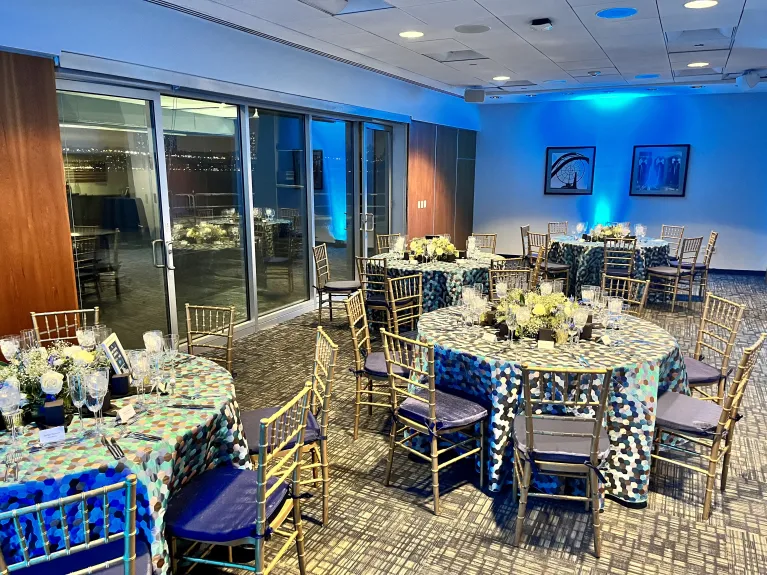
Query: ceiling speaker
[748,80]
[474,95]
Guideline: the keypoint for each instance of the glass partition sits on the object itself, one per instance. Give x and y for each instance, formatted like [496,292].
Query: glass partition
[278,167]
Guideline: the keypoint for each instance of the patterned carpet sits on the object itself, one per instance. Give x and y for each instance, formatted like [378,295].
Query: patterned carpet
[392,530]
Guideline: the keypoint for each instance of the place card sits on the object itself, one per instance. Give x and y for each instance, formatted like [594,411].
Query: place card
[52,435]
[126,413]
[543,344]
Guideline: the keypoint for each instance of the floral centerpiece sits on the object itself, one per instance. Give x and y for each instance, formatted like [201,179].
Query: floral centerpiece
[204,233]
[31,369]
[439,249]
[542,312]
[600,232]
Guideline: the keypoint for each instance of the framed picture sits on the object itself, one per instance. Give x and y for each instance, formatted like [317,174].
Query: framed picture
[317,168]
[116,354]
[570,171]
[659,170]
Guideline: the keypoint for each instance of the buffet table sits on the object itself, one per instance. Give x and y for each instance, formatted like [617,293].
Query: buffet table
[193,440]
[646,361]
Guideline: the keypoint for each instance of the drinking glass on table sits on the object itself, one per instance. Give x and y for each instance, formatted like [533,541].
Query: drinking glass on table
[96,386]
[86,337]
[28,339]
[511,323]
[9,345]
[558,286]
[139,365]
[523,315]
[10,406]
[614,311]
[471,247]
[547,287]
[580,318]
[502,289]
[589,294]
[170,344]
[581,228]
[77,393]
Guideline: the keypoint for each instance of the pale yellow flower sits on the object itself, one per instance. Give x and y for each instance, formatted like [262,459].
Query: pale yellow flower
[539,309]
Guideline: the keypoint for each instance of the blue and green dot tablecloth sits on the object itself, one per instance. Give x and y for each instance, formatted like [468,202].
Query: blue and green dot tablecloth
[646,361]
[193,441]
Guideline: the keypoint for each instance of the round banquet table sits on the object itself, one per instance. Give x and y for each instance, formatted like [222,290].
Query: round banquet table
[193,441]
[586,259]
[442,281]
[646,361]
[273,230]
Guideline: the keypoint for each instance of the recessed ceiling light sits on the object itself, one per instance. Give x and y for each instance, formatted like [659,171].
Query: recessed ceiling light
[595,73]
[697,64]
[541,24]
[697,4]
[646,76]
[501,78]
[471,28]
[411,34]
[616,13]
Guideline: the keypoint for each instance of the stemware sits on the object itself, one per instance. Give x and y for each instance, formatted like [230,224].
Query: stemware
[77,392]
[86,337]
[10,401]
[101,332]
[589,294]
[547,287]
[614,311]
[640,231]
[28,339]
[471,247]
[96,386]
[153,341]
[9,345]
[502,289]
[523,315]
[580,318]
[558,286]
[170,343]
[511,323]
[138,359]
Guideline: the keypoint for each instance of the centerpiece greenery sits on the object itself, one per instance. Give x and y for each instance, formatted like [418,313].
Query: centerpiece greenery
[547,312]
[203,233]
[439,249]
[600,232]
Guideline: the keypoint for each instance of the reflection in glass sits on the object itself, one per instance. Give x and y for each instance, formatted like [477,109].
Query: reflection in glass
[377,177]
[278,166]
[202,156]
[111,181]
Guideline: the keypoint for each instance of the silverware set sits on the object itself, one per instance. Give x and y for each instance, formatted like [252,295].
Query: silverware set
[12,459]
[191,406]
[142,436]
[35,447]
[113,447]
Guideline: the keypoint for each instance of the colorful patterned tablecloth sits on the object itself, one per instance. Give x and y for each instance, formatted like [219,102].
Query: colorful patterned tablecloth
[193,441]
[442,281]
[646,360]
[586,259]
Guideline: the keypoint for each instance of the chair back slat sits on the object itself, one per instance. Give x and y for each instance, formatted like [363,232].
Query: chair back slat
[485,242]
[718,330]
[710,248]
[405,300]
[358,325]
[524,230]
[673,235]
[689,250]
[633,291]
[385,242]
[208,325]
[323,373]
[557,228]
[415,378]
[321,265]
[62,325]
[734,397]
[619,256]
[508,264]
[514,279]
[34,517]
[373,273]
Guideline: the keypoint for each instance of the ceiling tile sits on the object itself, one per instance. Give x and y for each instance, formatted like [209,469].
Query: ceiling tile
[597,64]
[605,71]
[383,22]
[612,80]
[675,16]
[449,14]
[278,11]
[325,28]
[359,40]
[436,46]
[715,58]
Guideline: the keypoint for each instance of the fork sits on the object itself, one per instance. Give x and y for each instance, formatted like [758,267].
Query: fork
[109,447]
[118,449]
[12,458]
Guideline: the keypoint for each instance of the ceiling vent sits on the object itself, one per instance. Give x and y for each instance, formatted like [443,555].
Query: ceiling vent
[517,84]
[696,40]
[694,72]
[457,56]
[336,7]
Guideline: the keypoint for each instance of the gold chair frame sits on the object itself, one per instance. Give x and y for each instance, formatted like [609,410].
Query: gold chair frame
[570,397]
[376,387]
[633,291]
[417,360]
[509,264]
[405,300]
[619,255]
[85,257]
[725,431]
[281,440]
[65,324]
[525,230]
[542,245]
[383,242]
[322,269]
[373,273]
[204,322]
[669,285]
[557,228]
[128,534]
[674,236]
[516,279]
[485,242]
[702,274]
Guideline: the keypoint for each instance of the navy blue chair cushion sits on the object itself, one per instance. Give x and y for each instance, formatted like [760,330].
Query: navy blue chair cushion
[553,267]
[343,285]
[698,265]
[687,414]
[379,300]
[699,373]
[617,272]
[452,411]
[251,425]
[662,270]
[375,366]
[94,556]
[560,448]
[220,506]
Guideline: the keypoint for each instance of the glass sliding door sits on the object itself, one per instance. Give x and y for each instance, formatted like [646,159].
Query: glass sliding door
[205,192]
[112,188]
[278,173]
[376,184]
[334,193]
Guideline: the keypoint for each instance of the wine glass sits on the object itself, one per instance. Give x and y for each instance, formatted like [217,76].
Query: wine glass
[96,386]
[86,337]
[511,323]
[502,290]
[139,365]
[10,401]
[9,345]
[153,341]
[580,318]
[101,332]
[589,294]
[558,286]
[77,392]
[170,343]
[471,247]
[614,310]
[28,339]
[547,287]
[523,315]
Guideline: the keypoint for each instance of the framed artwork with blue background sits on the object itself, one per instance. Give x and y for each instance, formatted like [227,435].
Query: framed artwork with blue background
[570,171]
[660,170]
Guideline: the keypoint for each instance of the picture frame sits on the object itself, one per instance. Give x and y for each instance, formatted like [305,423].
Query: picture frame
[116,354]
[569,170]
[660,170]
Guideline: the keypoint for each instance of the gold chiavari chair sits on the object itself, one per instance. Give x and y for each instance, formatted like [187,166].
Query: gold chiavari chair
[368,364]
[384,242]
[326,287]
[110,269]
[210,509]
[703,423]
[316,434]
[508,264]
[619,256]
[701,269]
[373,273]
[525,254]
[206,325]
[287,250]
[294,215]
[62,325]
[715,341]
[539,246]
[514,279]
[405,301]
[633,291]
[85,255]
[419,409]
[115,551]
[562,433]
[667,279]
[485,242]
[557,228]
[673,235]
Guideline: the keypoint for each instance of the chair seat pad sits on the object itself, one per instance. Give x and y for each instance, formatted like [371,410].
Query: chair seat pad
[94,556]
[251,426]
[662,270]
[617,272]
[552,267]
[343,285]
[687,414]
[452,411]
[375,365]
[379,300]
[561,448]
[698,266]
[699,373]
[220,506]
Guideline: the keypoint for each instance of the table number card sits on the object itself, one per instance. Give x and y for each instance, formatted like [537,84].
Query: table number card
[116,354]
[52,435]
[126,413]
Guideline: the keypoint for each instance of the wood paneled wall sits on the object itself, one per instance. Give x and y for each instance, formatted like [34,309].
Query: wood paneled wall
[37,272]
[441,181]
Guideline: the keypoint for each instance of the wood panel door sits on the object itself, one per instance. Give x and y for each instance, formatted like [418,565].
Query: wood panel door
[464,189]
[38,268]
[445,180]
[420,179]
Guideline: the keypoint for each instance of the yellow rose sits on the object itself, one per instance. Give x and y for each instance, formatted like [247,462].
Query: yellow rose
[439,251]
[539,309]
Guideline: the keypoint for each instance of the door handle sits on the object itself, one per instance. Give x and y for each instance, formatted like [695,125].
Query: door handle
[370,220]
[169,255]
[154,254]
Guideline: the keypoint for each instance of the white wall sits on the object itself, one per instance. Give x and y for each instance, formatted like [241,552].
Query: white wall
[726,181]
[136,32]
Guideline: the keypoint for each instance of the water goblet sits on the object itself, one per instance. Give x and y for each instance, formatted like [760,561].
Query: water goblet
[511,323]
[580,318]
[138,360]
[28,339]
[170,343]
[547,287]
[589,294]
[614,311]
[96,386]
[77,391]
[86,337]
[9,345]
[10,401]
[558,286]
[153,341]
[471,247]
[523,315]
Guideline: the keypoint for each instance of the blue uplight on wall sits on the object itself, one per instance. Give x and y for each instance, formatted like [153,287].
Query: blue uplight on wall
[608,101]
[616,13]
